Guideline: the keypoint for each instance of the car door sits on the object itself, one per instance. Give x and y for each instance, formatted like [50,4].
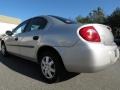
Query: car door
[12,42]
[32,36]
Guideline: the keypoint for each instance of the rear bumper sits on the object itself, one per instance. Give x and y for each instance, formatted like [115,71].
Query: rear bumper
[103,56]
[90,57]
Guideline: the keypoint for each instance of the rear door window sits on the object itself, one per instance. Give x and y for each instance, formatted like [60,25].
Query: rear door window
[38,23]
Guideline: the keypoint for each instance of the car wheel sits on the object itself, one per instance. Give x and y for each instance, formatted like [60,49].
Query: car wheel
[3,50]
[51,67]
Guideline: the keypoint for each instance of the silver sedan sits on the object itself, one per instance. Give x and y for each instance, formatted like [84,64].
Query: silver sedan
[59,45]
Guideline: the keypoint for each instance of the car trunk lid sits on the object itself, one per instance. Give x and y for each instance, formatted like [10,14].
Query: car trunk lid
[105,33]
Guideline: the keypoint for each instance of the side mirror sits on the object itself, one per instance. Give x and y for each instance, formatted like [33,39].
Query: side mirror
[9,33]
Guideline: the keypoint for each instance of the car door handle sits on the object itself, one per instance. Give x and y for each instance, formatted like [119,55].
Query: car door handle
[35,37]
[16,38]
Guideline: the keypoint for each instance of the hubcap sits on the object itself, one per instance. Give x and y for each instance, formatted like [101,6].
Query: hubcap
[48,67]
[3,49]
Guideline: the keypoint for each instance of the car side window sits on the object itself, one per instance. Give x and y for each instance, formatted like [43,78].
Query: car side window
[20,28]
[37,23]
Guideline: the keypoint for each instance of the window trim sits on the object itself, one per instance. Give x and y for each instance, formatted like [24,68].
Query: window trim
[25,22]
[30,23]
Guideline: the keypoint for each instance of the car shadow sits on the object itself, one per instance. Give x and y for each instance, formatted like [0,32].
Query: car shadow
[27,68]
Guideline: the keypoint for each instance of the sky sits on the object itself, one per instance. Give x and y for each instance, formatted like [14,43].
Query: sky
[24,9]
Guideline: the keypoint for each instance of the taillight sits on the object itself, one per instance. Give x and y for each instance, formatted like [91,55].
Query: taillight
[89,33]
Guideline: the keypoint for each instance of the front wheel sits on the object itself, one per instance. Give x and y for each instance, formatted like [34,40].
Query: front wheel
[3,50]
[51,67]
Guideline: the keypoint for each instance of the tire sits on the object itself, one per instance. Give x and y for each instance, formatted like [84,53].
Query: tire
[3,49]
[51,67]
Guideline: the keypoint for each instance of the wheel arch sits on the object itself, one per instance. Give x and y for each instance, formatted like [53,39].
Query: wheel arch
[51,49]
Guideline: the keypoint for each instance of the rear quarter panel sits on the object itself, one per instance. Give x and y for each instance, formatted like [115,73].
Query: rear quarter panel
[60,35]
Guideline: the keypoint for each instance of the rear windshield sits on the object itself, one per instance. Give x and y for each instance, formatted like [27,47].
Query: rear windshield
[67,21]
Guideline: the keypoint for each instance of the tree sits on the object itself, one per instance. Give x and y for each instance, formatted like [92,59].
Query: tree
[114,19]
[82,19]
[114,22]
[95,16]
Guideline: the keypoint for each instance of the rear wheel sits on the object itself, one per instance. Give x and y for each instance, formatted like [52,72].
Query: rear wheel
[51,67]
[3,49]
